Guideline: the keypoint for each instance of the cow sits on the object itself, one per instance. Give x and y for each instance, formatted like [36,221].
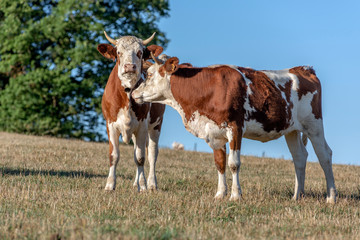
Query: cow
[177,146]
[139,122]
[224,103]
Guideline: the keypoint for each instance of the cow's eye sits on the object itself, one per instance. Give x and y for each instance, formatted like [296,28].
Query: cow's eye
[139,54]
[119,53]
[149,75]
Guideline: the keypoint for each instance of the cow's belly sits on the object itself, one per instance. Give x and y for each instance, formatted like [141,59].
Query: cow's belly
[202,127]
[254,130]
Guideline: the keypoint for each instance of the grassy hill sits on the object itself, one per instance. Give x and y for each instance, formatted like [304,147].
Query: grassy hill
[52,188]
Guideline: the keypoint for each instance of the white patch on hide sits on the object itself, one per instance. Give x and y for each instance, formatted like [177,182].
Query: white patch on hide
[204,128]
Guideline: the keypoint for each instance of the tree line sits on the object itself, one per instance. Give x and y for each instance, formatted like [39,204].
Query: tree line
[51,75]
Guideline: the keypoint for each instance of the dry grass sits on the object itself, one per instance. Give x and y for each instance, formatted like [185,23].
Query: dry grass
[53,188]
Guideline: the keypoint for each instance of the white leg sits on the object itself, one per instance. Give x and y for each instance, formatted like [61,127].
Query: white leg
[234,164]
[114,155]
[153,150]
[135,184]
[222,188]
[324,155]
[139,156]
[299,154]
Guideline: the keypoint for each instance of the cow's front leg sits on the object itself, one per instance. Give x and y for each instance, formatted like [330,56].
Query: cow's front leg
[114,155]
[153,151]
[234,165]
[139,157]
[220,163]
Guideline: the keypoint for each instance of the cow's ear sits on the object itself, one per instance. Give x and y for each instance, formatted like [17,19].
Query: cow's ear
[171,65]
[156,50]
[107,51]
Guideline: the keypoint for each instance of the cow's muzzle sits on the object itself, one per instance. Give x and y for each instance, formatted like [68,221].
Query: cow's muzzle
[137,97]
[129,68]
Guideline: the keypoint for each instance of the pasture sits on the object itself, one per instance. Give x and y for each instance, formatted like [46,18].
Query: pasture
[54,188]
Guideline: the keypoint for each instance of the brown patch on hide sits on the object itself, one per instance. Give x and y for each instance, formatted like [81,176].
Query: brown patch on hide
[217,93]
[286,89]
[235,143]
[114,97]
[157,112]
[309,83]
[140,161]
[141,110]
[316,105]
[271,109]
[220,159]
[110,147]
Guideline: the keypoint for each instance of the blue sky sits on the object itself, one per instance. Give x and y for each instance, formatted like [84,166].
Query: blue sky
[275,35]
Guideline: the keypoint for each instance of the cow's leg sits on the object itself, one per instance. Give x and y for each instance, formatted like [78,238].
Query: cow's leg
[139,156]
[220,163]
[299,154]
[135,184]
[234,164]
[324,155]
[156,116]
[153,150]
[114,155]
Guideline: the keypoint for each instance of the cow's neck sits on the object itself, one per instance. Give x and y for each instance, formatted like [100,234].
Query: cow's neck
[191,89]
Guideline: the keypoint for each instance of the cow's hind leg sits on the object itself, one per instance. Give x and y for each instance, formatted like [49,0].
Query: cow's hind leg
[114,155]
[324,155]
[153,150]
[299,154]
[220,163]
[234,163]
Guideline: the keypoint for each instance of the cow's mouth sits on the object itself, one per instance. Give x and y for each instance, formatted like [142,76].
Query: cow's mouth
[138,100]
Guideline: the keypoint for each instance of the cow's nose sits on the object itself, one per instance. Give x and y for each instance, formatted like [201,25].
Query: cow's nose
[130,68]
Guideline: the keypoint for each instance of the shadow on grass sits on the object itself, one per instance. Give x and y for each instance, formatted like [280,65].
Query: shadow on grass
[318,195]
[58,173]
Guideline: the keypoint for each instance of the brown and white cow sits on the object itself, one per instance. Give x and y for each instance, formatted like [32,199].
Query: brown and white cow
[141,122]
[223,103]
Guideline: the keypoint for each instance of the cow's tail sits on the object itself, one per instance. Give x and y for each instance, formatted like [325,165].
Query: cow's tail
[304,139]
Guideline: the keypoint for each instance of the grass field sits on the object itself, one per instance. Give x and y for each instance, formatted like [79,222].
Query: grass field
[54,188]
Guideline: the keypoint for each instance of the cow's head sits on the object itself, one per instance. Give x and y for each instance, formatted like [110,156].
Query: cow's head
[156,87]
[130,53]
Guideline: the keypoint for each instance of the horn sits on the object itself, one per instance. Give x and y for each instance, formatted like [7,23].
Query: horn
[145,42]
[155,59]
[110,39]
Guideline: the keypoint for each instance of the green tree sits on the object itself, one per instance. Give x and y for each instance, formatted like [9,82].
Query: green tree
[51,75]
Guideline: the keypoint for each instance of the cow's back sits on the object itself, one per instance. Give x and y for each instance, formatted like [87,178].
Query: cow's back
[279,100]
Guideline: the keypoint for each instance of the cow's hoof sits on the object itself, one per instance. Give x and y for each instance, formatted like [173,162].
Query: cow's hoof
[220,195]
[331,200]
[110,184]
[142,189]
[152,188]
[235,197]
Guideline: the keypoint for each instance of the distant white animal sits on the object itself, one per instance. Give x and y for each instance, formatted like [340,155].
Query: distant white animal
[177,146]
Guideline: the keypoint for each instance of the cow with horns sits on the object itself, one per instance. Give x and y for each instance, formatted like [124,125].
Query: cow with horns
[224,103]
[139,122]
